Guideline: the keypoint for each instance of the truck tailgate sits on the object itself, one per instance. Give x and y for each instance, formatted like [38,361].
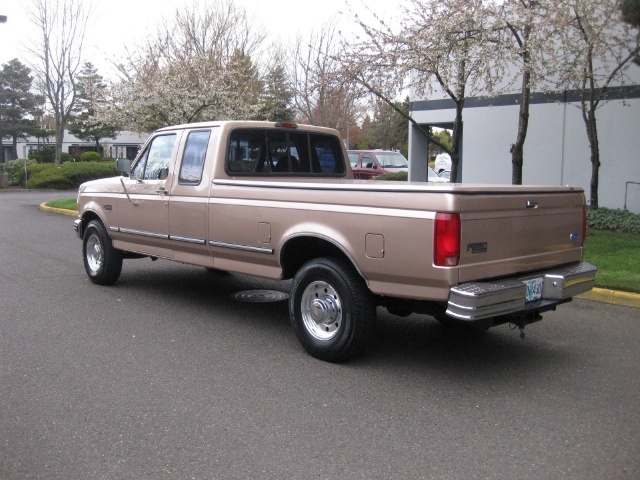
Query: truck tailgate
[508,234]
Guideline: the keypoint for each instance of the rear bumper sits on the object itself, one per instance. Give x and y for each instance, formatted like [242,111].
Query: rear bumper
[481,300]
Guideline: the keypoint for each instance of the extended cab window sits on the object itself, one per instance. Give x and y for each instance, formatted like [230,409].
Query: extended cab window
[154,162]
[283,152]
[193,158]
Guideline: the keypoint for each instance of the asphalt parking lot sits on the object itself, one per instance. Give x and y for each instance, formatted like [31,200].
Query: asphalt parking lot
[163,375]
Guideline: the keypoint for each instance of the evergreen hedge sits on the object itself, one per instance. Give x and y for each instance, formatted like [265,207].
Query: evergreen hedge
[90,157]
[394,177]
[66,176]
[613,219]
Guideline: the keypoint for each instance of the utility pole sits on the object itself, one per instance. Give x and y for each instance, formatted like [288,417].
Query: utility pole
[3,19]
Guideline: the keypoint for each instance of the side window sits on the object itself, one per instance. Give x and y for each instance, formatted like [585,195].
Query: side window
[353,159]
[193,158]
[155,160]
[367,161]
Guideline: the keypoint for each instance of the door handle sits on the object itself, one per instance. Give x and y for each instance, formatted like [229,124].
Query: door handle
[162,191]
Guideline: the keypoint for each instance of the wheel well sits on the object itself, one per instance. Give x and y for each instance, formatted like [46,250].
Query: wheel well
[88,217]
[299,250]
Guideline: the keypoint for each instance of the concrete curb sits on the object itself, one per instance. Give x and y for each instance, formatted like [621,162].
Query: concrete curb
[613,297]
[59,211]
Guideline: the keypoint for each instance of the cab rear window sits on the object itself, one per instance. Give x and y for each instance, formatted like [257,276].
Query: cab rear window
[276,152]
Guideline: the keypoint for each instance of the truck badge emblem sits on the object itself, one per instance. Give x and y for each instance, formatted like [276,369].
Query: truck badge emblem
[479,247]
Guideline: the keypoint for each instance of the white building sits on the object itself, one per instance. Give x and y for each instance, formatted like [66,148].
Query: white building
[125,145]
[556,150]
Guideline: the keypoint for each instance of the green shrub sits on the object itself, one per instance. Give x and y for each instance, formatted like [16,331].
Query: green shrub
[47,175]
[65,157]
[395,176]
[15,170]
[616,220]
[68,175]
[43,154]
[90,157]
[79,172]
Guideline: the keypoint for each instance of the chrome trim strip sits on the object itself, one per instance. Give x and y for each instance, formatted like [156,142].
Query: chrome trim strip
[142,233]
[247,248]
[358,185]
[114,229]
[351,209]
[335,185]
[197,241]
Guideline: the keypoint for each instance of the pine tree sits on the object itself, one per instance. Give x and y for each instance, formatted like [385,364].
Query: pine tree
[18,105]
[91,93]
[277,96]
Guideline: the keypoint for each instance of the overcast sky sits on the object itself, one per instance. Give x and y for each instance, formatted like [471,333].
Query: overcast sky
[120,23]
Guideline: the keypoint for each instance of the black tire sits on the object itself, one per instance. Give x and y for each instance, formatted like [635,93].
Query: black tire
[102,262]
[331,309]
[215,271]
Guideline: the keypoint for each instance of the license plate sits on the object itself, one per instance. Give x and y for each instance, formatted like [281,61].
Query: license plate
[533,289]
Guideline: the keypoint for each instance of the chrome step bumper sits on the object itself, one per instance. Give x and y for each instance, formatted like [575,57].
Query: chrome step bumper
[480,300]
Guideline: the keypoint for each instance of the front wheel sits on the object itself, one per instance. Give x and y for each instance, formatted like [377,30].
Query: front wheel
[102,262]
[332,311]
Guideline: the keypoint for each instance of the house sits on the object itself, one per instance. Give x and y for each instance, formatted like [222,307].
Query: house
[125,145]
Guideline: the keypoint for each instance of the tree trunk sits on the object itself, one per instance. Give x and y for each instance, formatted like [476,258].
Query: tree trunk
[59,139]
[14,148]
[517,149]
[456,142]
[592,133]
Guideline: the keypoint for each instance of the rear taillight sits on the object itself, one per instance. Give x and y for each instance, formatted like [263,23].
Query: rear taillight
[446,241]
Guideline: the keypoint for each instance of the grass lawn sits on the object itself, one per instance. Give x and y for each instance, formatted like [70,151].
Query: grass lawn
[617,256]
[66,203]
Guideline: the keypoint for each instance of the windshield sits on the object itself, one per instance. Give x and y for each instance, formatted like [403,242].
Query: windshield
[392,160]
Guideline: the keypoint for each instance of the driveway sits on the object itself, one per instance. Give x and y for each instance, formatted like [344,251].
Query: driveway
[164,376]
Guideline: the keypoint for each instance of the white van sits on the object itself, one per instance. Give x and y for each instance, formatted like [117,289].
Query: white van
[442,163]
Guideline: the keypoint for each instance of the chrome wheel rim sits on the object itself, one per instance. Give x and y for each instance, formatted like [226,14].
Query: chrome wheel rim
[94,253]
[321,310]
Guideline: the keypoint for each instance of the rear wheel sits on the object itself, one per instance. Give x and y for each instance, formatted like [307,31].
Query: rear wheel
[102,262]
[332,310]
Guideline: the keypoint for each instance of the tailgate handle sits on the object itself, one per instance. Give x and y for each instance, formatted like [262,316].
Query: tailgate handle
[532,204]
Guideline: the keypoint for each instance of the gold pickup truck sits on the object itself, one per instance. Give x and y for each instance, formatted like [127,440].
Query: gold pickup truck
[278,200]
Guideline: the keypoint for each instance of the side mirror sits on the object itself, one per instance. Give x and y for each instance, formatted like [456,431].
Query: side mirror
[123,166]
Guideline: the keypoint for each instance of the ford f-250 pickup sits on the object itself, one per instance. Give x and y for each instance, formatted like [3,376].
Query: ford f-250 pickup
[279,201]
